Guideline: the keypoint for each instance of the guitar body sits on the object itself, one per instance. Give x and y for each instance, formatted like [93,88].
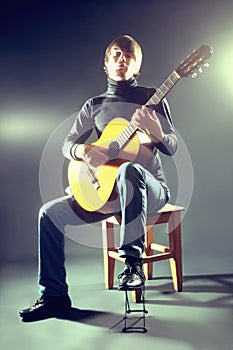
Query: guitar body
[82,187]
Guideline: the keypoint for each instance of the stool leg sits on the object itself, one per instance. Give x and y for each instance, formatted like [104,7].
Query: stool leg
[108,244]
[149,238]
[137,295]
[174,227]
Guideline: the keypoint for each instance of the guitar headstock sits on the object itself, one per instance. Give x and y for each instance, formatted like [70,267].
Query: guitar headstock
[195,61]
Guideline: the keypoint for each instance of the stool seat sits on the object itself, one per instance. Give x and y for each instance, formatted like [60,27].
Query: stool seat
[170,214]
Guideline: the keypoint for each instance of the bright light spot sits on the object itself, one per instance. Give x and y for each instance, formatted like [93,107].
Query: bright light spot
[25,127]
[223,65]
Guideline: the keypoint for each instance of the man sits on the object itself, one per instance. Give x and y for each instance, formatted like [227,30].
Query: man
[140,184]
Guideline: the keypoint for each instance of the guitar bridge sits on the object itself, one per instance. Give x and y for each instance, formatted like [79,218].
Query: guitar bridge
[93,178]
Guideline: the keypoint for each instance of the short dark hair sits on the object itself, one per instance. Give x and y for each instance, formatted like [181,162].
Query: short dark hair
[128,44]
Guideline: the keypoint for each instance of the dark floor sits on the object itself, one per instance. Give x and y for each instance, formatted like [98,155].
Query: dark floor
[198,318]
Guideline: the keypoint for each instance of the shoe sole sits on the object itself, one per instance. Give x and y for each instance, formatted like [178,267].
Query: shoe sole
[122,288]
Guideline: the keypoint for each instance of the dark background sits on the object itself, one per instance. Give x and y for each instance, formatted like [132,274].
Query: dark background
[52,60]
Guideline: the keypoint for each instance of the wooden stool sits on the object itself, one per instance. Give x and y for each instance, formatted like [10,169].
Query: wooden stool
[170,214]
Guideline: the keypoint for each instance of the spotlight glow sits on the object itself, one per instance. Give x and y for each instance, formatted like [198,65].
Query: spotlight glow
[25,127]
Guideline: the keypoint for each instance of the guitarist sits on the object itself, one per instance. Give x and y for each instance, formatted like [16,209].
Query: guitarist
[140,185]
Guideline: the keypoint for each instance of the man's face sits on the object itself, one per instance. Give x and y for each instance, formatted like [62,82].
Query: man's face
[121,65]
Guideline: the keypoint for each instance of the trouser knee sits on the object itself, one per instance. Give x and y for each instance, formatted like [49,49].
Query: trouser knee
[49,217]
[129,171]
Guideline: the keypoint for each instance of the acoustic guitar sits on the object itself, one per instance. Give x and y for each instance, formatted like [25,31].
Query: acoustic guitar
[93,188]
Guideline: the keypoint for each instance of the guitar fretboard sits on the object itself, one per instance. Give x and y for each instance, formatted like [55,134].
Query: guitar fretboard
[125,135]
[163,90]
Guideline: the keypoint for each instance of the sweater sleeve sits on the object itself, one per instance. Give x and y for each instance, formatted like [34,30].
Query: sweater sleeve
[80,131]
[169,144]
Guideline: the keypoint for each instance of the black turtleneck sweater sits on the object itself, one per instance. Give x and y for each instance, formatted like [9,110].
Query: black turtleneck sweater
[120,100]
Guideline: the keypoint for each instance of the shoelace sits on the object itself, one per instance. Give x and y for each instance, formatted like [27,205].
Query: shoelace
[37,303]
[126,272]
[137,269]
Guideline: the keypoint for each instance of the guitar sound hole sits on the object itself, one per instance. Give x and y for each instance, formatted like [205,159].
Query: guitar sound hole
[114,149]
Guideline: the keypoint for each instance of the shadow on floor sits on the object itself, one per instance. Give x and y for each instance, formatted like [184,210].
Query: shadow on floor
[213,285]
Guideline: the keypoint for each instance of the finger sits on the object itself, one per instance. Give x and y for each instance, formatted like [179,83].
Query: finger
[154,116]
[144,109]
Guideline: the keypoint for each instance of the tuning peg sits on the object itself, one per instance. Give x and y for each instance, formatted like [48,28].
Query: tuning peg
[206,64]
[194,75]
[200,69]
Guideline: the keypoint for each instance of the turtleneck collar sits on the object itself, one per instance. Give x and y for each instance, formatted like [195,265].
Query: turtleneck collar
[121,87]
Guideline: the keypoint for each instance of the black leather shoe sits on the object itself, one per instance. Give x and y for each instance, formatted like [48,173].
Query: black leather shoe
[137,279]
[132,277]
[125,276]
[46,307]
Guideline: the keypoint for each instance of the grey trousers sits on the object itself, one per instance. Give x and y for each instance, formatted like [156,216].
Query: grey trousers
[140,194]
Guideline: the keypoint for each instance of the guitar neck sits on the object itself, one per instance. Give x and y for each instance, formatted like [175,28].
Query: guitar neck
[156,98]
[164,89]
